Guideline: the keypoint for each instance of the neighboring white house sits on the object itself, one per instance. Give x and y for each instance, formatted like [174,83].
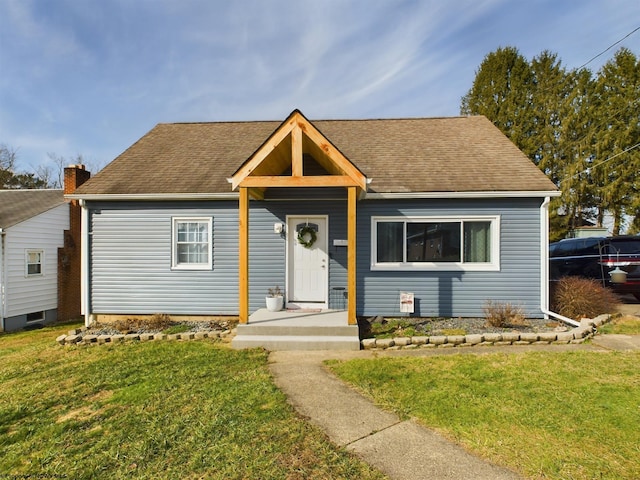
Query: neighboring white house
[32,229]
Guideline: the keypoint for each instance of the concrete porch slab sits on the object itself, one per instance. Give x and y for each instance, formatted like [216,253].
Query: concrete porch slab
[300,317]
[298,330]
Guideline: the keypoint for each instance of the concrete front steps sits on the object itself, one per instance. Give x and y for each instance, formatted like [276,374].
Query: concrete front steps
[297,330]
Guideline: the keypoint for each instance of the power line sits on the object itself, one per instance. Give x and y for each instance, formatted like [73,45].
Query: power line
[609,47]
[602,162]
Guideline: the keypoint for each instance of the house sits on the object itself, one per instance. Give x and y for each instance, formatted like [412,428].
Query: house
[200,219]
[39,258]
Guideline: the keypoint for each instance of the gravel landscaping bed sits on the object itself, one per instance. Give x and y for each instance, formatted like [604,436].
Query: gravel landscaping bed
[194,327]
[442,326]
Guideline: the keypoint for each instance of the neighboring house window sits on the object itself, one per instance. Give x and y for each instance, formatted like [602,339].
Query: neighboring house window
[34,262]
[430,243]
[191,243]
[35,316]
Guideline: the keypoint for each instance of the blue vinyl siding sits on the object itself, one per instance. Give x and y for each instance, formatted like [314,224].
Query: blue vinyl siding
[455,293]
[130,259]
[267,250]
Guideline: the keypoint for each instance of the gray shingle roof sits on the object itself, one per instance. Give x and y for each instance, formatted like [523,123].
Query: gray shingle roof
[19,205]
[458,154]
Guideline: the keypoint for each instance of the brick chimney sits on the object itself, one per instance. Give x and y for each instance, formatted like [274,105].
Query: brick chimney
[69,273]
[74,176]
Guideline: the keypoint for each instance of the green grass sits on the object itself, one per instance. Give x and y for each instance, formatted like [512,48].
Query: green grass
[626,325]
[394,328]
[152,410]
[180,328]
[547,415]
[400,327]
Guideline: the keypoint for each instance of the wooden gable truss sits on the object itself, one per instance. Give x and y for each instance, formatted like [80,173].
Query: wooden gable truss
[269,167]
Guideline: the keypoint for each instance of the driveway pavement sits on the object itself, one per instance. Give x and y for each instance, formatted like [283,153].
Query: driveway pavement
[617,342]
[630,306]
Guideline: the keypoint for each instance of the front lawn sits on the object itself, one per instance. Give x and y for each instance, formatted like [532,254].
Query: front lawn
[547,415]
[625,324]
[152,410]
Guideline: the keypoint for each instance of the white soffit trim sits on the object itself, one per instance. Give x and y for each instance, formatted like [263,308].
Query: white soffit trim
[410,195]
[155,196]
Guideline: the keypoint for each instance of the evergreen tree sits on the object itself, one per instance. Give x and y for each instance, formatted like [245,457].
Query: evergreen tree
[572,172]
[501,92]
[581,131]
[615,170]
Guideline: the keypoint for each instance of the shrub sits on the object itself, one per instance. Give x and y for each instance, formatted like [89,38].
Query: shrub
[158,321]
[502,314]
[577,297]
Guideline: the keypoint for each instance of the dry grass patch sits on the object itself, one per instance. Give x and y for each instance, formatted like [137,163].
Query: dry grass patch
[87,412]
[155,322]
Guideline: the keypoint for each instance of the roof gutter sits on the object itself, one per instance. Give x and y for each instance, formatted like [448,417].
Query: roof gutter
[152,196]
[368,195]
[544,266]
[483,194]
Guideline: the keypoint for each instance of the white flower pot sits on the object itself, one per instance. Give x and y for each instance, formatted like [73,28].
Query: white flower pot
[274,304]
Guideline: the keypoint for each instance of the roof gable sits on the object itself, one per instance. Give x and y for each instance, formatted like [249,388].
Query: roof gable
[16,206]
[279,160]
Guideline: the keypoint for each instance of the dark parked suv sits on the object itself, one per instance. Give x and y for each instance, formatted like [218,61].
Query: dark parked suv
[595,257]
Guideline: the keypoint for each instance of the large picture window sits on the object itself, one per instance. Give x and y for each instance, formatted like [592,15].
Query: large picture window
[426,243]
[191,243]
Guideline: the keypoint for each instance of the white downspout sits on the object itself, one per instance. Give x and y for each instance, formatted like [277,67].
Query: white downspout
[2,281]
[84,263]
[544,266]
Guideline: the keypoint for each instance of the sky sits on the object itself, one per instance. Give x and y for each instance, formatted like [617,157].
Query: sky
[90,77]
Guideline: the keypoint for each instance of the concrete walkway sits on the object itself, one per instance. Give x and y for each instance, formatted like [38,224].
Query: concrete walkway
[623,343]
[400,449]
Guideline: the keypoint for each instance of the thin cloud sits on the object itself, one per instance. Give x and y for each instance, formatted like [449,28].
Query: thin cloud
[92,76]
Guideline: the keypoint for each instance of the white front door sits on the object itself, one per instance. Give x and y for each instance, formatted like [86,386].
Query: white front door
[308,266]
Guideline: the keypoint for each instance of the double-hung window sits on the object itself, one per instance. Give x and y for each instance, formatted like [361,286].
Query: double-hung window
[192,248]
[34,260]
[435,243]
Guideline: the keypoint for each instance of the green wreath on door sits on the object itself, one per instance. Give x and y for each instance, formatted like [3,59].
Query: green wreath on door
[302,236]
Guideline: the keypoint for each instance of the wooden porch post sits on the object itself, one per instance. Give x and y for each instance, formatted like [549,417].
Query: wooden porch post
[351,256]
[243,256]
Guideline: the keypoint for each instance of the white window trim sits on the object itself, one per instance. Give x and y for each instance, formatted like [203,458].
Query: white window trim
[26,262]
[174,244]
[492,266]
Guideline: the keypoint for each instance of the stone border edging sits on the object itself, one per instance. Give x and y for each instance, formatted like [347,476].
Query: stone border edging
[74,337]
[586,330]
[579,334]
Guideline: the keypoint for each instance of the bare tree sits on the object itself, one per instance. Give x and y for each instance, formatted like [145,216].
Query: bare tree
[8,157]
[54,174]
